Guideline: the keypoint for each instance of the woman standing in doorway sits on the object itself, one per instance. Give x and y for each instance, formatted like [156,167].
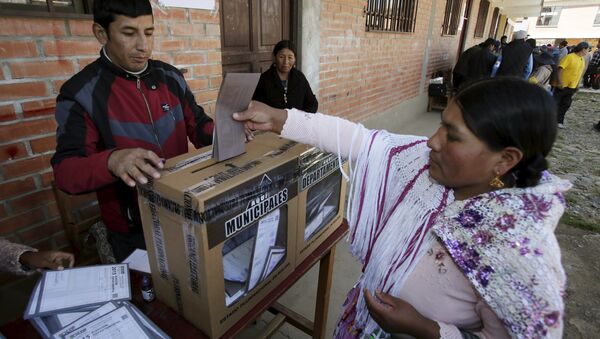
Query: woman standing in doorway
[282,85]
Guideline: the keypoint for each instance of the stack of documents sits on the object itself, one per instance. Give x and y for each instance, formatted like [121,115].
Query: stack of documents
[88,302]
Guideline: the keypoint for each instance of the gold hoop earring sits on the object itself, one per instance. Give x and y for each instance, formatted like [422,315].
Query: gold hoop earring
[497,182]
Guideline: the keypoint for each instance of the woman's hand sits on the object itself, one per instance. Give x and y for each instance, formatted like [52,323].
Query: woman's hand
[395,315]
[54,260]
[262,117]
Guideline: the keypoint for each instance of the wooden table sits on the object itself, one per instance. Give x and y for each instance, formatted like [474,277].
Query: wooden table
[177,327]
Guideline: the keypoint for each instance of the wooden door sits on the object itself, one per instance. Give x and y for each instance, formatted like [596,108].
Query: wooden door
[249,31]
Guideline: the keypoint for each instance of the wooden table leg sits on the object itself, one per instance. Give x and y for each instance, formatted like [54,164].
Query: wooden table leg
[323,292]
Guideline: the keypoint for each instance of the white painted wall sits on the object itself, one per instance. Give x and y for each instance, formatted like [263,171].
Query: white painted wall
[574,23]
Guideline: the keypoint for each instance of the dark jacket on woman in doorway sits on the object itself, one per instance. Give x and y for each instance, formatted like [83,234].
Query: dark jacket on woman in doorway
[515,58]
[298,94]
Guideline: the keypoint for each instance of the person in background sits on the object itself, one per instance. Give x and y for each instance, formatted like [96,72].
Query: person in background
[121,117]
[456,232]
[543,69]
[516,59]
[21,259]
[563,50]
[503,41]
[569,73]
[593,68]
[283,85]
[482,62]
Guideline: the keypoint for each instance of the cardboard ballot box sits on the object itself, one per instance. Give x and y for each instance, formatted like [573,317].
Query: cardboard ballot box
[220,236]
[321,198]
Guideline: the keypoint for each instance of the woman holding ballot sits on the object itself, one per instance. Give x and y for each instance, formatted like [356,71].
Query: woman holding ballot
[282,85]
[455,232]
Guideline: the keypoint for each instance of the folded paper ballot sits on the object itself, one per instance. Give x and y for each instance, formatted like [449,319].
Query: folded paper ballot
[234,96]
[88,302]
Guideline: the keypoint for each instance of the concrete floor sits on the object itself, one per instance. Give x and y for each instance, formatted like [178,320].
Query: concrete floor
[301,297]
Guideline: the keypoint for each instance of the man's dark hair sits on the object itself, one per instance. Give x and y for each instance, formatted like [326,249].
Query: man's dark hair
[105,10]
[503,38]
[505,112]
[564,43]
[487,43]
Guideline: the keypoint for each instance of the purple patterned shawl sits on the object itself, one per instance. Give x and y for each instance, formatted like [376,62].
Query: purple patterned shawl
[393,207]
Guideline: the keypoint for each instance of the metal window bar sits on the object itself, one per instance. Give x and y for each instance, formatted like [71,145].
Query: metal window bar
[452,17]
[391,15]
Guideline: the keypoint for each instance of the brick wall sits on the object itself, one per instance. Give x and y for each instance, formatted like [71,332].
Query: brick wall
[365,73]
[36,57]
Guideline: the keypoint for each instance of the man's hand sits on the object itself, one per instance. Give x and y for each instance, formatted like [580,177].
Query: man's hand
[134,164]
[395,315]
[262,117]
[54,260]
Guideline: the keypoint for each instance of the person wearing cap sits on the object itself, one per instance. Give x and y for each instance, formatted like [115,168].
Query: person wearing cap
[592,68]
[543,70]
[516,59]
[569,73]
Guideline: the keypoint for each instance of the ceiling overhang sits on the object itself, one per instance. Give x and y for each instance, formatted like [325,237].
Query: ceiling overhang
[532,8]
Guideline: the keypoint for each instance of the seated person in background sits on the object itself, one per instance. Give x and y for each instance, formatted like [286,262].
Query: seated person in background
[22,259]
[282,85]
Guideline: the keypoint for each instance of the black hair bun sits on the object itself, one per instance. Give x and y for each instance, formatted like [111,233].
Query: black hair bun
[529,171]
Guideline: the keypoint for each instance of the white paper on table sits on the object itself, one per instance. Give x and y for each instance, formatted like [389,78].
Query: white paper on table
[67,318]
[276,254]
[91,316]
[318,221]
[266,235]
[119,323]
[84,286]
[33,301]
[143,319]
[236,263]
[138,261]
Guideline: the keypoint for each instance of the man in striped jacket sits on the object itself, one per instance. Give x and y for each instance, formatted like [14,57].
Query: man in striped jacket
[120,117]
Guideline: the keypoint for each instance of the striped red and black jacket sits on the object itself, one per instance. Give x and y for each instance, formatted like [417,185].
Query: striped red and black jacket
[104,108]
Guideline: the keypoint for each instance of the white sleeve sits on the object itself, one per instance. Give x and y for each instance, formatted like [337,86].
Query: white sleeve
[329,133]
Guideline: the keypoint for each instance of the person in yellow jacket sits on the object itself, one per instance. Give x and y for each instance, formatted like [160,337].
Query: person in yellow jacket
[570,70]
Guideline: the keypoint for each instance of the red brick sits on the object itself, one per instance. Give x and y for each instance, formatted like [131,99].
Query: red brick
[197,84]
[63,48]
[39,108]
[42,69]
[56,85]
[204,15]
[15,169]
[43,245]
[206,43]
[169,45]
[12,152]
[52,210]
[84,62]
[22,90]
[2,74]
[7,113]
[207,70]
[32,200]
[3,213]
[215,82]
[207,96]
[193,58]
[183,29]
[23,129]
[43,145]
[213,30]
[9,189]
[214,57]
[17,49]
[81,27]
[42,231]
[171,14]
[61,242]
[47,179]
[18,222]
[20,26]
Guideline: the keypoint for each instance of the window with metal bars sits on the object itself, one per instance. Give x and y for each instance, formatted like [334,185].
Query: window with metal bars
[482,14]
[549,16]
[494,23]
[51,8]
[391,15]
[452,17]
